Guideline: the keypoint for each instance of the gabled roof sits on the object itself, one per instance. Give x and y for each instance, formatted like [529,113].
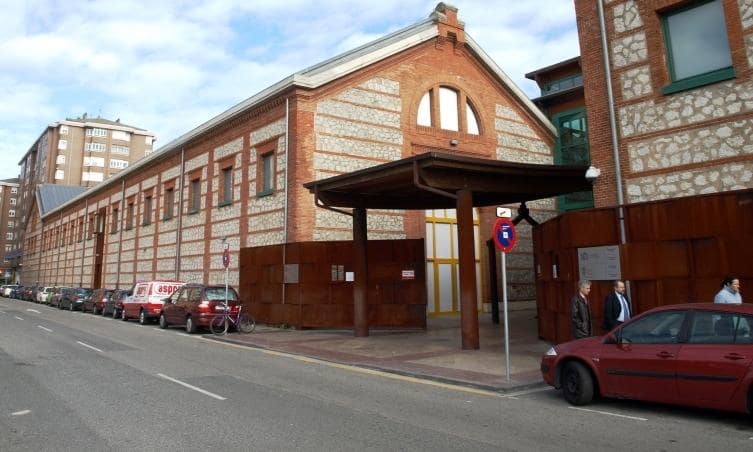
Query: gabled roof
[51,196]
[340,66]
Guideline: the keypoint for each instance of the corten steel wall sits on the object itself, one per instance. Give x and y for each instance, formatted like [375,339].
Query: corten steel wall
[318,302]
[677,251]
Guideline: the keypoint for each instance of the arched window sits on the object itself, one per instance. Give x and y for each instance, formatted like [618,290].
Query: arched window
[449,109]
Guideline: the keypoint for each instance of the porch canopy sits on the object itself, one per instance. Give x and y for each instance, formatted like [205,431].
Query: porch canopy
[437,180]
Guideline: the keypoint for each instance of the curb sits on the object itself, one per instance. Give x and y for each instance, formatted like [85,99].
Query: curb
[404,373]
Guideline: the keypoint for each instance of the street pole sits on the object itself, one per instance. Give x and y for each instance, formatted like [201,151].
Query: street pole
[504,307]
[226,263]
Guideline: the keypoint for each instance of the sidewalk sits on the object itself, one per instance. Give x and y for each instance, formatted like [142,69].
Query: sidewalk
[432,354]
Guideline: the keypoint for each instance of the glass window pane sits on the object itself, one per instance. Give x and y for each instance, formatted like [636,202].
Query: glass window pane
[448,109]
[429,287]
[698,38]
[424,111]
[470,116]
[659,328]
[445,287]
[429,241]
[442,240]
[712,328]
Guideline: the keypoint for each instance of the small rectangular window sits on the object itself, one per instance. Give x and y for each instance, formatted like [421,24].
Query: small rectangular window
[227,186]
[267,173]
[129,216]
[90,230]
[81,230]
[63,130]
[115,220]
[147,211]
[169,203]
[697,46]
[195,196]
[63,144]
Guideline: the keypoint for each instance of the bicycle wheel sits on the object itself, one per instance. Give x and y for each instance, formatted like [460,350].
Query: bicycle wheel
[246,323]
[220,325]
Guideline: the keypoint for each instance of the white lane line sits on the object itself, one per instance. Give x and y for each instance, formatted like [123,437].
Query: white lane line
[20,413]
[19,318]
[609,414]
[210,394]
[515,395]
[46,329]
[89,346]
[33,310]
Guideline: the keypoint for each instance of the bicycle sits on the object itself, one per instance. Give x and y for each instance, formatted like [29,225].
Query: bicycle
[220,325]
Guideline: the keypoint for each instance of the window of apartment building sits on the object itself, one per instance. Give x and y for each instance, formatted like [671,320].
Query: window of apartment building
[81,229]
[114,220]
[147,210]
[8,236]
[12,201]
[562,84]
[448,108]
[90,230]
[94,161]
[169,203]
[194,195]
[697,46]
[129,214]
[63,144]
[226,196]
[572,149]
[59,174]
[8,248]
[11,224]
[63,130]
[118,164]
[118,149]
[11,213]
[95,147]
[148,140]
[96,132]
[92,176]
[120,135]
[60,159]
[13,190]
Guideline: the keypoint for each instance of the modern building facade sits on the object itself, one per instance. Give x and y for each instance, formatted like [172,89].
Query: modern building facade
[8,224]
[76,152]
[682,92]
[238,178]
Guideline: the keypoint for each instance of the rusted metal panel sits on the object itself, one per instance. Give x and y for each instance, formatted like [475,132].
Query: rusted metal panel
[672,259]
[638,260]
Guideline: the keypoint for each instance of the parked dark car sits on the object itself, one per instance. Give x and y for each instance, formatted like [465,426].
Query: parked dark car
[195,305]
[73,299]
[96,302]
[114,305]
[691,354]
[16,292]
[56,296]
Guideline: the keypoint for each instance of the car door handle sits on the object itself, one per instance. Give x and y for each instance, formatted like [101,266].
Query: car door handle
[665,354]
[734,356]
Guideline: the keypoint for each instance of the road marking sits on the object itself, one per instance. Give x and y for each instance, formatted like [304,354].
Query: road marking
[19,318]
[609,414]
[89,346]
[362,370]
[33,310]
[515,395]
[20,413]
[210,394]
[46,329]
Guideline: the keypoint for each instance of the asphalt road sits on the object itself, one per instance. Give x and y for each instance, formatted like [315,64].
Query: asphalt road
[73,381]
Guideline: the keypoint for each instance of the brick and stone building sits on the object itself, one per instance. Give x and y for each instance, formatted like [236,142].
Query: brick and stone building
[683,96]
[238,178]
[8,224]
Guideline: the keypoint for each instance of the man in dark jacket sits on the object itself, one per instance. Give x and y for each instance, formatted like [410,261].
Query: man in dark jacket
[617,307]
[580,311]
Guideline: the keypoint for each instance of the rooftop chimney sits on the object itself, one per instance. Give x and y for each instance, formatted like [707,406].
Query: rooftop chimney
[446,17]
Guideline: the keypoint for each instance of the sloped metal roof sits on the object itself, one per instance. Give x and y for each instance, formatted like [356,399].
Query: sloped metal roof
[51,196]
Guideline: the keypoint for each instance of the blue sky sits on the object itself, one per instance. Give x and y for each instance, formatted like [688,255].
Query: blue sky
[168,66]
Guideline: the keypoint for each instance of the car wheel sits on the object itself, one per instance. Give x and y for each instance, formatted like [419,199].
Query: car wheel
[123,316]
[162,321]
[577,384]
[190,326]
[143,320]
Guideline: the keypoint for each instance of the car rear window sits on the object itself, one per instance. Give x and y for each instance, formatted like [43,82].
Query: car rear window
[84,291]
[218,294]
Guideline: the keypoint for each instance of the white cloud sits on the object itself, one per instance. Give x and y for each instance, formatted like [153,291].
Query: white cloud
[171,65]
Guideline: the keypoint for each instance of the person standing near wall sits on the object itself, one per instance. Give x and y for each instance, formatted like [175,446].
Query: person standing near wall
[730,292]
[617,309]
[580,311]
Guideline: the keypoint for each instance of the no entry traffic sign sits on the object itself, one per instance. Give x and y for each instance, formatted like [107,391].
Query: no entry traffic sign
[226,258]
[504,234]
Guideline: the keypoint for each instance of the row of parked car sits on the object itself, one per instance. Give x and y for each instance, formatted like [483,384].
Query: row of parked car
[170,303]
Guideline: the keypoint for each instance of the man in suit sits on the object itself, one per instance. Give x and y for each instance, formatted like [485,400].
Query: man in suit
[617,309]
[580,311]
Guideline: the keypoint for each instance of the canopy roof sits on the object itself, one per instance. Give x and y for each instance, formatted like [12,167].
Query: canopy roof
[431,181]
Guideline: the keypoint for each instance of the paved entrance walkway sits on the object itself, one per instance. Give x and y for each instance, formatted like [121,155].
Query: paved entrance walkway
[434,354]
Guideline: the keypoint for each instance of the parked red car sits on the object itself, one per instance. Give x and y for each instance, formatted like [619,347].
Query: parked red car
[690,354]
[96,303]
[195,305]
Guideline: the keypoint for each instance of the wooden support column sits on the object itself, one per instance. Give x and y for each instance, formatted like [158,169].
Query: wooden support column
[360,267]
[467,263]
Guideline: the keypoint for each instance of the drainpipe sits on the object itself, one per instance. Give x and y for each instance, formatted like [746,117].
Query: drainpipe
[287,184]
[179,233]
[120,231]
[83,241]
[612,122]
